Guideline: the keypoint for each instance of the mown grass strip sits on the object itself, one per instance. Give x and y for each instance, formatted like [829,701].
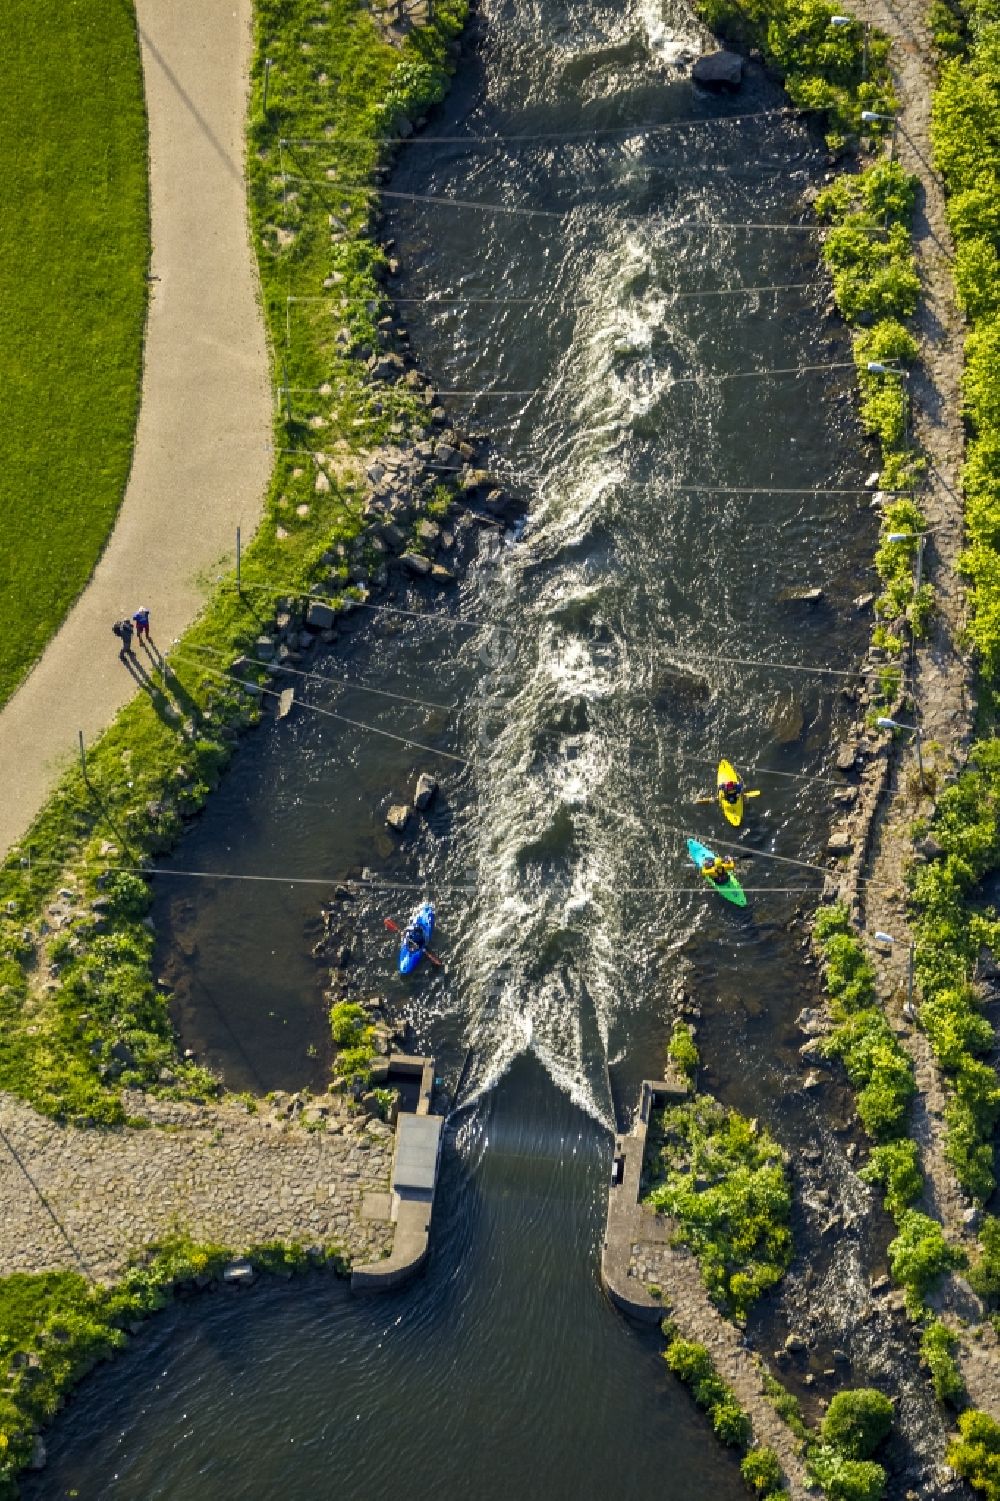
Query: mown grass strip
[80,1015]
[74,252]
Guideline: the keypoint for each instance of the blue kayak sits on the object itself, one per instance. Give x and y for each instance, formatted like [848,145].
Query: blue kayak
[730,888]
[411,953]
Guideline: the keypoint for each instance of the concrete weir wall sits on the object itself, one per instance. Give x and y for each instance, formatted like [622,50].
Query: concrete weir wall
[636,1248]
[413,1180]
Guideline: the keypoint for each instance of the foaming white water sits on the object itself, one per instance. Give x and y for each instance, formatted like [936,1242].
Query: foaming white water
[672,33]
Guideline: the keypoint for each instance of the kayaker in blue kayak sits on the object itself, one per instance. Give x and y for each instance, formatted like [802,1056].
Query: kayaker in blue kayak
[415,938]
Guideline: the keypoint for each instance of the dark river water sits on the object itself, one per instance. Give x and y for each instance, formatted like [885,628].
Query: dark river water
[591,673]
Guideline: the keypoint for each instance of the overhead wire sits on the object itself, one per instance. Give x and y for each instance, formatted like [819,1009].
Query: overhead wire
[655,127]
[655,294]
[336,681]
[441,200]
[482,624]
[357,724]
[680,380]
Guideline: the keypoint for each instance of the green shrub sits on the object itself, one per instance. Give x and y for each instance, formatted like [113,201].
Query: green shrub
[681,1049]
[976,1453]
[761,1469]
[724,1182]
[936,1347]
[985,1273]
[844,1479]
[920,1255]
[895,1168]
[856,1422]
[692,1363]
[348,1023]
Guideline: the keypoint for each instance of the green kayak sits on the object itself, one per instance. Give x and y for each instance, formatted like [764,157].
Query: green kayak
[730,888]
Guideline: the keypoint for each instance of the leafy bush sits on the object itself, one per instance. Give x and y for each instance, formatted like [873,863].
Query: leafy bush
[723,1180]
[949,936]
[681,1049]
[761,1469]
[348,1023]
[985,1273]
[976,1453]
[857,1421]
[693,1364]
[844,1479]
[920,1255]
[936,1349]
[895,1168]
[823,66]
[864,1042]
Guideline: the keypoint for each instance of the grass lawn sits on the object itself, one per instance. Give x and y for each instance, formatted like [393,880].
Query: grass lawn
[155,765]
[74,250]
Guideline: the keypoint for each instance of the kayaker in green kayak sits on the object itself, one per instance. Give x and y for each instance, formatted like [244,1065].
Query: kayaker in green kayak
[719,870]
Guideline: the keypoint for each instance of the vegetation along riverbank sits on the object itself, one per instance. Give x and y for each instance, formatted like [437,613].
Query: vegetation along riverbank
[876,288]
[85,1032]
[74,161]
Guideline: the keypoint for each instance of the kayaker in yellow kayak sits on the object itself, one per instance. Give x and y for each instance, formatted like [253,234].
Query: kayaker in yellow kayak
[719,870]
[732,791]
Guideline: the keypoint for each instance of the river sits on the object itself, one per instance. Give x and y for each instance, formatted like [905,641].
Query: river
[598,665]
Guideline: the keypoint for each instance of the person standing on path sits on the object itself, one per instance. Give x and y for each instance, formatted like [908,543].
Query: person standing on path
[141,618]
[123,630]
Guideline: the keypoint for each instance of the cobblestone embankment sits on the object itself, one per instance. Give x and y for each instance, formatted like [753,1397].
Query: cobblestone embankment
[97,1197]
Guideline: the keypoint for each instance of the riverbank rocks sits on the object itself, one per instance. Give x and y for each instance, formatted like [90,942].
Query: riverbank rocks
[415,564]
[718,70]
[847,757]
[321,617]
[398,817]
[840,842]
[801,596]
[425,791]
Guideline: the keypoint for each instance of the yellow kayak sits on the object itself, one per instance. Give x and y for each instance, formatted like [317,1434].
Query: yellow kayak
[733,810]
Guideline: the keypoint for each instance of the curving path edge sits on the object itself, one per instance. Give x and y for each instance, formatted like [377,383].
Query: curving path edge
[201,462]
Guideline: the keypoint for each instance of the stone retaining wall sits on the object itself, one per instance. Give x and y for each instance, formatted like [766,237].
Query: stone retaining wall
[91,1199]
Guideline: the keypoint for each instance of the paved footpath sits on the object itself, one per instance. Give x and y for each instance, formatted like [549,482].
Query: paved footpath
[98,1197]
[200,464]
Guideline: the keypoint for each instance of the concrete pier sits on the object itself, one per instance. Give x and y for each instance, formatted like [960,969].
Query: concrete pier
[637,1253]
[412,1184]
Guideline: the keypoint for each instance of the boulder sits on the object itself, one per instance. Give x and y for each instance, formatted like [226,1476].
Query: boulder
[428,533]
[419,566]
[718,70]
[398,817]
[840,842]
[795,1344]
[264,648]
[442,575]
[425,790]
[801,596]
[847,757]
[321,617]
[385,367]
[392,536]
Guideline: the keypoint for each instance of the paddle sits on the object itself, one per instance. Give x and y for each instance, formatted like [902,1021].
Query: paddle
[395,928]
[715,798]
